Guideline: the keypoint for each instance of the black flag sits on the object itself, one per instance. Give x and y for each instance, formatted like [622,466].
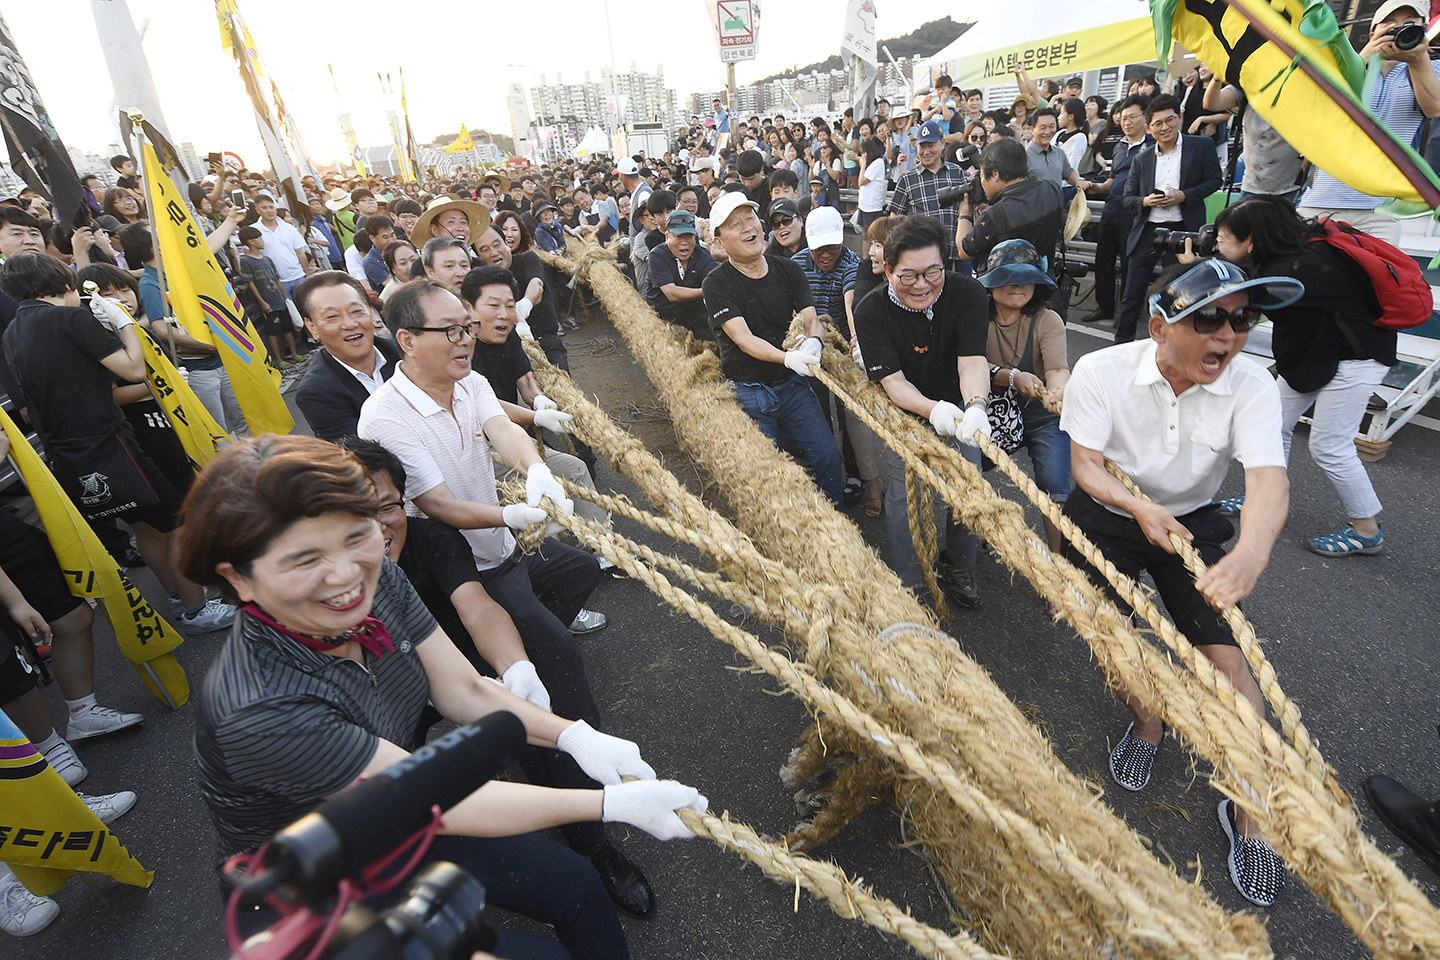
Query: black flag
[36,152]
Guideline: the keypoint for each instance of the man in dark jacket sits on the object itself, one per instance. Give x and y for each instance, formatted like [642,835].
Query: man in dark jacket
[352,361]
[1166,190]
[1115,220]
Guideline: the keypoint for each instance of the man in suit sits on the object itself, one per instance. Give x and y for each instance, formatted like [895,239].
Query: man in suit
[352,362]
[1166,189]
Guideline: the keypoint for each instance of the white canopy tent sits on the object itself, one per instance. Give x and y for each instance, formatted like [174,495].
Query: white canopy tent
[594,141]
[1048,38]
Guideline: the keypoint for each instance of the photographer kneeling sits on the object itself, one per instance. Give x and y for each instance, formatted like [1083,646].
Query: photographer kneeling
[1021,207]
[286,526]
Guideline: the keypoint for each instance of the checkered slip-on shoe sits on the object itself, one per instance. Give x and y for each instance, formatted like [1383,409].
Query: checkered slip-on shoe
[1256,870]
[1132,760]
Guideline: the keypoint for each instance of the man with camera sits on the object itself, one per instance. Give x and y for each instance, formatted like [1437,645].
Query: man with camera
[1166,189]
[1021,207]
[1405,92]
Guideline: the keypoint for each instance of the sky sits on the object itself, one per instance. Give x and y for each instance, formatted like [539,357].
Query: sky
[457,58]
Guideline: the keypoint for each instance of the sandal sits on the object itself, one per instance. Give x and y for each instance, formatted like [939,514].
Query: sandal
[1256,870]
[1132,760]
[1347,542]
[874,500]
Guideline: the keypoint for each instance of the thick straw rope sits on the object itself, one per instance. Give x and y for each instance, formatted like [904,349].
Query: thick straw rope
[1299,807]
[950,707]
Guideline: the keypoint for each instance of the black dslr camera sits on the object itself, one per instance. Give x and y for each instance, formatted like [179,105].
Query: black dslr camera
[1407,36]
[1202,242]
[966,156]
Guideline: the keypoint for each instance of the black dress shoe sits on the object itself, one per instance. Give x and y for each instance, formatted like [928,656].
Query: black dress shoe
[1409,816]
[627,886]
[1095,316]
[132,559]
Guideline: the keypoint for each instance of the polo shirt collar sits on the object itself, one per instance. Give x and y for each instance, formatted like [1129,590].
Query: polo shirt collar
[928,311]
[1148,373]
[423,403]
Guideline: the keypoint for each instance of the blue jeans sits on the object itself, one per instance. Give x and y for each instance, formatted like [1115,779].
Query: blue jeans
[789,414]
[959,542]
[1050,456]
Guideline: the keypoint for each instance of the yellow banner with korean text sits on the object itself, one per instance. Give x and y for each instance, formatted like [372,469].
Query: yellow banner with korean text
[1131,41]
[144,636]
[46,831]
[199,434]
[205,305]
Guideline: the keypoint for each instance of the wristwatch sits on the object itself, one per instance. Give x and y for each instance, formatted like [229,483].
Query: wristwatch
[975,402]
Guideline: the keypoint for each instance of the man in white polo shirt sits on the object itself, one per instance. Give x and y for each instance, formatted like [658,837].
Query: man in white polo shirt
[1172,412]
[441,419]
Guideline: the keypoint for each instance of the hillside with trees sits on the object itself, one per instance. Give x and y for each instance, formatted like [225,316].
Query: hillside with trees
[926,40]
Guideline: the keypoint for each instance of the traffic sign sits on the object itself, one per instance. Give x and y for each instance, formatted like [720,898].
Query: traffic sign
[735,20]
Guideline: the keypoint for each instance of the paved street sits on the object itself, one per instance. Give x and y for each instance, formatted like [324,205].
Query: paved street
[1353,641]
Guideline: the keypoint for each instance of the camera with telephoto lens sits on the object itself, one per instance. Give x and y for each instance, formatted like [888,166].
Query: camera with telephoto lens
[437,918]
[1202,242]
[966,156]
[1407,36]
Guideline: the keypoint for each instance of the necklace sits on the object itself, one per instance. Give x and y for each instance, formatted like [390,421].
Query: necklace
[1010,348]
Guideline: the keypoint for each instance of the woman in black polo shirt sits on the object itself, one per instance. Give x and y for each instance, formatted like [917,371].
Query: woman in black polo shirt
[323,679]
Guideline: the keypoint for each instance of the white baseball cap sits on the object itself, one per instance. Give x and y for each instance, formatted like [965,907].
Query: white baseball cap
[1421,7]
[727,205]
[627,167]
[824,227]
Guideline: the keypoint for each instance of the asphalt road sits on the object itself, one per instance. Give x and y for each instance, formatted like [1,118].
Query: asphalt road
[1353,641]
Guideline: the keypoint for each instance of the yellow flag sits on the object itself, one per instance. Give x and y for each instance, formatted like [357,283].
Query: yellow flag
[46,831]
[198,432]
[205,305]
[463,143]
[145,637]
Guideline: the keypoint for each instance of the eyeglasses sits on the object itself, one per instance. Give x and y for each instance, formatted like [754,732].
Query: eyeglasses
[1169,121]
[1207,320]
[455,333]
[781,221]
[932,274]
[390,512]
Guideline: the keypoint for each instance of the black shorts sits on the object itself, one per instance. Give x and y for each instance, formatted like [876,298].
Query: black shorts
[17,676]
[1124,544]
[276,324]
[26,557]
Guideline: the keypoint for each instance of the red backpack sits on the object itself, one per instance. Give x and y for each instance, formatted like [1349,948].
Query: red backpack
[1401,292]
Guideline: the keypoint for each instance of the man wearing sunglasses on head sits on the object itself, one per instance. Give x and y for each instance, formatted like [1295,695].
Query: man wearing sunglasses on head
[1172,412]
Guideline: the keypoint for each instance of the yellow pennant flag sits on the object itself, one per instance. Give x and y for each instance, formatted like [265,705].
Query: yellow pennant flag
[463,143]
[46,831]
[205,304]
[198,432]
[145,637]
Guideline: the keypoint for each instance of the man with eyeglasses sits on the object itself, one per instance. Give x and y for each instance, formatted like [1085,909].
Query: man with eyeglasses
[1167,186]
[922,338]
[1172,412]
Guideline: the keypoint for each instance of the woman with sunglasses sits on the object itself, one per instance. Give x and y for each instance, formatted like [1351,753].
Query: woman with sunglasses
[1172,412]
[1027,351]
[1328,353]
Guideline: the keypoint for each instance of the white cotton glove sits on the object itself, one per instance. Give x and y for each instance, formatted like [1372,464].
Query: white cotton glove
[541,483]
[605,759]
[975,421]
[110,312]
[857,356]
[945,418]
[801,358]
[542,402]
[522,680]
[551,419]
[523,306]
[523,329]
[518,516]
[651,805]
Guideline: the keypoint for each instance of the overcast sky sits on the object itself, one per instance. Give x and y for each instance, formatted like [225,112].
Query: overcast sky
[456,58]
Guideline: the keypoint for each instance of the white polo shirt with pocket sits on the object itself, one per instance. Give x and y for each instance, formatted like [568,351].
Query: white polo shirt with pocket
[1177,449]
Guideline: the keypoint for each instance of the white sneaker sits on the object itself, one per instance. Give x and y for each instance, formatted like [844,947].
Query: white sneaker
[96,721]
[63,761]
[21,912]
[177,608]
[215,615]
[111,806]
[588,621]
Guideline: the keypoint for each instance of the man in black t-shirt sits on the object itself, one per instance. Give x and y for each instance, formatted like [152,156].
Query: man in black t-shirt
[922,337]
[751,299]
[536,306]
[517,634]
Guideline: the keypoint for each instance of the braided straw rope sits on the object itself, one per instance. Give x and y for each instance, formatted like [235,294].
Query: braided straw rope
[949,706]
[1299,807]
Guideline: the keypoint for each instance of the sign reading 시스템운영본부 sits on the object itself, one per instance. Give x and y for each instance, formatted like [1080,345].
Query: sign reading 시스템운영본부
[1074,52]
